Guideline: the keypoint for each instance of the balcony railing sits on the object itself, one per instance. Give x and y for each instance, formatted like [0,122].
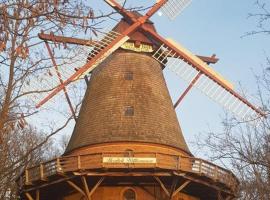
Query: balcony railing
[139,160]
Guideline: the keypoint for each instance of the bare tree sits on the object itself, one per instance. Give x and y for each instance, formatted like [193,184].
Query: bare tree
[21,55]
[21,59]
[244,146]
[14,157]
[262,16]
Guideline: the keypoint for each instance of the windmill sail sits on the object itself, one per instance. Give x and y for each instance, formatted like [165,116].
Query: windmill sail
[187,66]
[102,50]
[98,52]
[46,80]
[172,8]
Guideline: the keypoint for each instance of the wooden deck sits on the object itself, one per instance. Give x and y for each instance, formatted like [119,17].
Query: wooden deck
[139,160]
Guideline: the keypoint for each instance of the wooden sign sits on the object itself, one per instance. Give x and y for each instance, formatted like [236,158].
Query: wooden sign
[141,48]
[127,160]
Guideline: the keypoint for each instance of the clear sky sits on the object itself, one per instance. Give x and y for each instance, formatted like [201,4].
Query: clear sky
[207,27]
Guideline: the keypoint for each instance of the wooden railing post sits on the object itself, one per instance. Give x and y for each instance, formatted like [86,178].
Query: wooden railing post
[27,177]
[216,173]
[102,156]
[156,164]
[79,162]
[41,168]
[178,163]
[58,166]
[200,166]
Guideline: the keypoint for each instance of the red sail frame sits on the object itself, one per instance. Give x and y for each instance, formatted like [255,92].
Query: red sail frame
[138,22]
[102,53]
[181,54]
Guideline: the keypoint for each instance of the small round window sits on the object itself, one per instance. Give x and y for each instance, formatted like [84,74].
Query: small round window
[129,194]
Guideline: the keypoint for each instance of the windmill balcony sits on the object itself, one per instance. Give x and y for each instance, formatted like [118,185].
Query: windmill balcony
[139,161]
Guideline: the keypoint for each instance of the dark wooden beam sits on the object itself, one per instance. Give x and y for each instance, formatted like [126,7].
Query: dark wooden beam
[77,188]
[181,187]
[60,80]
[78,41]
[209,60]
[37,194]
[67,40]
[28,195]
[48,184]
[195,79]
[137,174]
[206,183]
[173,186]
[162,186]
[96,186]
[86,188]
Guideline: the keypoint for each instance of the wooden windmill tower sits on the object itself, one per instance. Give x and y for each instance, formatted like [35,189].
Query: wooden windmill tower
[127,143]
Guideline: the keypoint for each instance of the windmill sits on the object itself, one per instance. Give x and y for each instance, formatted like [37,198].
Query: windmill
[177,58]
[118,147]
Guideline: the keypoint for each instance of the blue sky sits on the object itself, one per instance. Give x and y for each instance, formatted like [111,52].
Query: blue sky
[207,27]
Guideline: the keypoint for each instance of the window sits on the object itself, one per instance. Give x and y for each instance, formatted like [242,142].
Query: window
[129,194]
[129,76]
[129,111]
